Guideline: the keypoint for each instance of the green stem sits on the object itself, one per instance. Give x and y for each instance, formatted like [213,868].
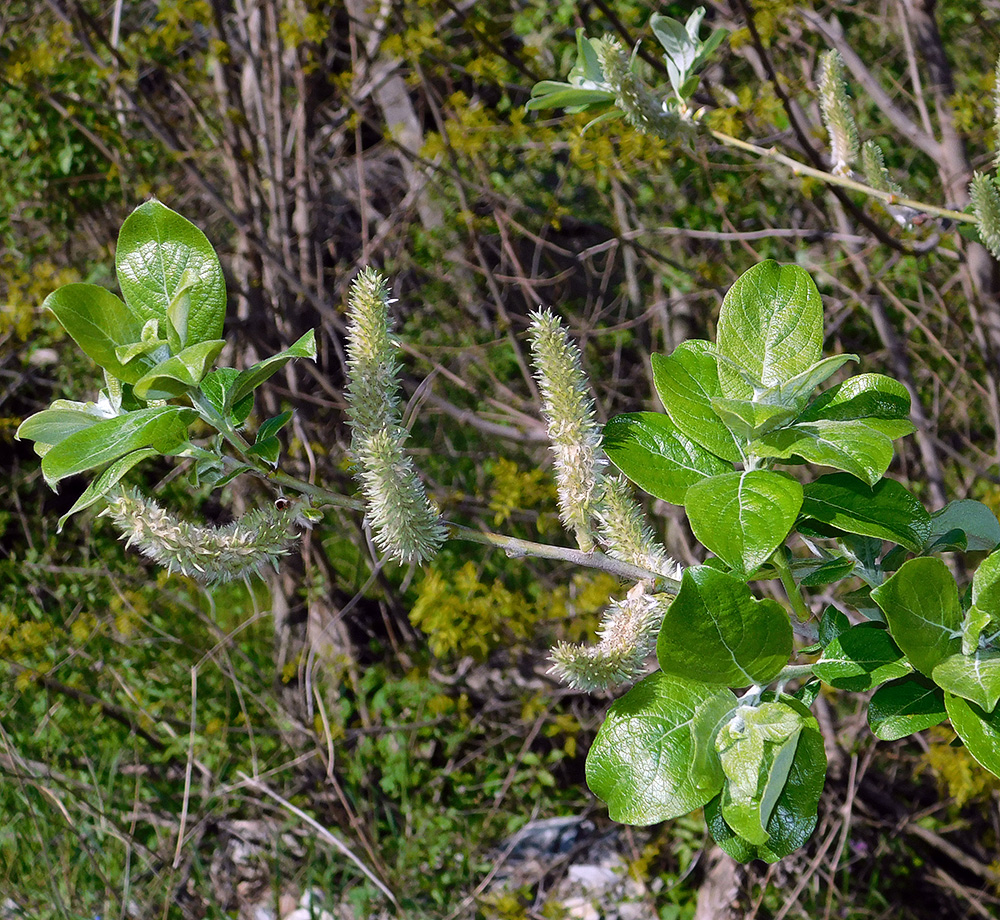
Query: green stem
[789,584]
[802,169]
[791,672]
[512,546]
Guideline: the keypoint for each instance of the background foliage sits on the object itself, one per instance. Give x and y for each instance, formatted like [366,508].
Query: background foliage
[146,727]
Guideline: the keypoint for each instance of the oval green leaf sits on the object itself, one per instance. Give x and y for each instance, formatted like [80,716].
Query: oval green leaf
[168,270]
[642,761]
[100,324]
[861,658]
[885,511]
[686,382]
[904,706]
[922,608]
[771,325]
[743,517]
[978,729]
[656,456]
[715,631]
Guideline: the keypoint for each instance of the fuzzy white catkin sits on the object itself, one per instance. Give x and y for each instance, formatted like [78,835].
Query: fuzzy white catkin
[627,638]
[404,523]
[837,114]
[626,533]
[208,554]
[572,425]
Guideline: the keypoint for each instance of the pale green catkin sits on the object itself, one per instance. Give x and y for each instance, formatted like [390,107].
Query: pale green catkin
[205,553]
[572,425]
[641,108]
[627,638]
[873,164]
[404,523]
[986,207]
[837,114]
[627,534]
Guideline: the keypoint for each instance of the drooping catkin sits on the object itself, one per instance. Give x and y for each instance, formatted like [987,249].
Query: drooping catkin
[208,554]
[626,533]
[404,523]
[572,425]
[627,636]
[837,114]
[873,164]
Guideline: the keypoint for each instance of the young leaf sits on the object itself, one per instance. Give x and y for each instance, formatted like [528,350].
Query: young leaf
[978,729]
[886,510]
[974,519]
[218,386]
[852,447]
[832,625]
[771,325]
[161,256]
[796,391]
[975,677]
[748,419]
[100,324]
[656,456]
[793,817]
[921,606]
[743,517]
[163,428]
[183,372]
[687,381]
[253,377]
[641,762]
[108,479]
[715,631]
[861,658]
[55,424]
[756,748]
[906,705]
[587,88]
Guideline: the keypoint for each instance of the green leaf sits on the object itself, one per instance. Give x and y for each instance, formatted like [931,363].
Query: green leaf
[976,620]
[657,457]
[687,381]
[879,401]
[771,325]
[921,606]
[978,729]
[270,427]
[183,372]
[108,479]
[904,706]
[975,677]
[885,511]
[748,419]
[974,519]
[833,624]
[796,392]
[55,424]
[253,377]
[268,449]
[756,748]
[163,428]
[716,632]
[985,584]
[163,258]
[794,815]
[100,324]
[641,762]
[861,658]
[743,517]
[549,94]
[849,446]
[827,572]
[218,387]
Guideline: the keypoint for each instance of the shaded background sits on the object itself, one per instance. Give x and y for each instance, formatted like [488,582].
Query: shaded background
[411,712]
